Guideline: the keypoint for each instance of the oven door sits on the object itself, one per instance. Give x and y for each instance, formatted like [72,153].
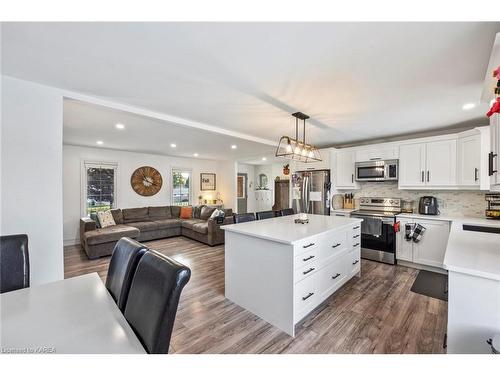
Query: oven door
[378,239]
[371,171]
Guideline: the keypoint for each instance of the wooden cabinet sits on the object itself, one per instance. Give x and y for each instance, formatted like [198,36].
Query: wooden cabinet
[430,164]
[469,160]
[430,249]
[343,164]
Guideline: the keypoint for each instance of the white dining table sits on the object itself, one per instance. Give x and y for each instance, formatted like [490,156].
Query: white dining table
[75,315]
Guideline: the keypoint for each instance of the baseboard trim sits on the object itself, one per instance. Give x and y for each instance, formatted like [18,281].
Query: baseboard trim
[421,267]
[71,242]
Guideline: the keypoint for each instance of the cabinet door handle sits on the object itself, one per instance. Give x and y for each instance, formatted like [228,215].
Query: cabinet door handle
[375,158]
[337,275]
[336,245]
[355,236]
[356,244]
[428,174]
[491,156]
[309,270]
[355,262]
[475,174]
[308,296]
[356,227]
[422,176]
[308,258]
[306,246]
[352,178]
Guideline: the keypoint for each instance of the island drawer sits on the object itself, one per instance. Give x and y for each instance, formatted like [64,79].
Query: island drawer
[333,275]
[305,297]
[307,257]
[354,261]
[308,244]
[306,271]
[334,244]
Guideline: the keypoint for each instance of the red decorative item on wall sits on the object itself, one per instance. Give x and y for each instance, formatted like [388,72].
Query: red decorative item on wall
[495,108]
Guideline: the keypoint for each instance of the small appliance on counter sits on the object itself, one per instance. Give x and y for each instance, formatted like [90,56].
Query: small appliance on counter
[493,210]
[428,205]
[407,207]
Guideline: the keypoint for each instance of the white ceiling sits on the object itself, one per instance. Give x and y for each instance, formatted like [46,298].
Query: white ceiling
[357,81]
[85,124]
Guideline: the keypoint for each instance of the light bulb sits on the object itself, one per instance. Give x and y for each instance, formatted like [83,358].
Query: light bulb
[289,148]
[311,154]
[304,152]
[297,150]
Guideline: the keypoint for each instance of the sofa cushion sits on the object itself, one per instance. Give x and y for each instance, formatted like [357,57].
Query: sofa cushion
[144,226]
[206,212]
[105,219]
[186,212]
[109,234]
[197,211]
[175,211]
[162,212]
[168,223]
[201,227]
[135,214]
[190,222]
[117,215]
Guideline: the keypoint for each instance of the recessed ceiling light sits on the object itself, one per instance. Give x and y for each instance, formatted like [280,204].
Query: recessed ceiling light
[100,143]
[173,145]
[264,159]
[234,147]
[195,155]
[120,126]
[468,106]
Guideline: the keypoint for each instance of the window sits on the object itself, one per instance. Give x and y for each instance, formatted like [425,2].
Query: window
[100,187]
[181,187]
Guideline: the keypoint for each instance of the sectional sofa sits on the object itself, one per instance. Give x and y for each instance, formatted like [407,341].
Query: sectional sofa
[151,223]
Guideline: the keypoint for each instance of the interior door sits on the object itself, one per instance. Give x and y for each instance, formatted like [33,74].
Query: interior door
[441,163]
[412,165]
[242,192]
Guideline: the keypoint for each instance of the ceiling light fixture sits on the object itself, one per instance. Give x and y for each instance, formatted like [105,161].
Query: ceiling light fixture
[234,147]
[264,159]
[195,155]
[120,126]
[173,145]
[295,149]
[468,106]
[100,143]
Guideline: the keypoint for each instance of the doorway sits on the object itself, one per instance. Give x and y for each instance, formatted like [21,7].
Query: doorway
[242,193]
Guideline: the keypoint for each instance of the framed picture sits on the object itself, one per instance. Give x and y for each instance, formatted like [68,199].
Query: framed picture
[207,181]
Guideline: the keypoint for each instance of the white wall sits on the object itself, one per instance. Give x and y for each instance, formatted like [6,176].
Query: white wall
[249,169]
[31,173]
[128,162]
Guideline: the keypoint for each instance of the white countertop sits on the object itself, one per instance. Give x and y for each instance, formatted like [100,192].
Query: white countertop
[344,210]
[283,229]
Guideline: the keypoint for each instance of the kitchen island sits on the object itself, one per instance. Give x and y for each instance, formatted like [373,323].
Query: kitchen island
[281,271]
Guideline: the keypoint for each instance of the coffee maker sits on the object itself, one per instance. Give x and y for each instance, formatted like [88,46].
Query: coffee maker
[428,205]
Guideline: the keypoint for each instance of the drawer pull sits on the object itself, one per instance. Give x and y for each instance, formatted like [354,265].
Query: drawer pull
[308,296]
[306,246]
[355,236]
[308,258]
[337,245]
[309,270]
[337,275]
[357,227]
[355,262]
[356,244]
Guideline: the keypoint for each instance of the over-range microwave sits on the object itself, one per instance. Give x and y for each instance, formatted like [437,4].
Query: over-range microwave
[377,170]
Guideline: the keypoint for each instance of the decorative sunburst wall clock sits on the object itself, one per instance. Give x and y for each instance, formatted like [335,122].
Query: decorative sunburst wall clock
[146,181]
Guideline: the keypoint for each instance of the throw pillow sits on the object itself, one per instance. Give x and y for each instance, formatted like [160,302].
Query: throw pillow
[206,212]
[93,216]
[217,213]
[186,212]
[106,219]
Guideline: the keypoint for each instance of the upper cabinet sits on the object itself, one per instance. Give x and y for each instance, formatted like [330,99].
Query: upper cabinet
[323,164]
[469,160]
[494,154]
[342,169]
[378,152]
[429,164]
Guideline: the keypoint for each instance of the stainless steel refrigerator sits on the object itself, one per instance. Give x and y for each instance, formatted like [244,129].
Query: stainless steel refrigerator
[311,192]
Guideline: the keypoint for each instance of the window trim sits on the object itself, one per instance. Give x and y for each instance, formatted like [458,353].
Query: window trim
[83,182]
[181,169]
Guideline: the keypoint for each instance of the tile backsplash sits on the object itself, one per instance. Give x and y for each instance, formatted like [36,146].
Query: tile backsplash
[453,203]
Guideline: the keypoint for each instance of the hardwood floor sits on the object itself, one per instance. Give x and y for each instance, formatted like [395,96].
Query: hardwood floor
[376,313]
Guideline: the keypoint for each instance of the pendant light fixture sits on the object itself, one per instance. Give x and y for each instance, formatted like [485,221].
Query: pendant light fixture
[295,149]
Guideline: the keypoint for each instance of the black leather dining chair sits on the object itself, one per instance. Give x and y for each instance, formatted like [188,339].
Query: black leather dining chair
[287,211]
[153,300]
[124,261]
[265,215]
[14,263]
[243,218]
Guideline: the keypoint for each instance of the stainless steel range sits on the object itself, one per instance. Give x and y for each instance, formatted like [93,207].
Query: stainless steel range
[378,236]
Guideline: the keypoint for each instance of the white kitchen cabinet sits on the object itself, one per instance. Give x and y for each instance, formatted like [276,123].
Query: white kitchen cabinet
[429,164]
[323,164]
[430,249]
[377,152]
[469,160]
[343,169]
[494,152]
[412,165]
